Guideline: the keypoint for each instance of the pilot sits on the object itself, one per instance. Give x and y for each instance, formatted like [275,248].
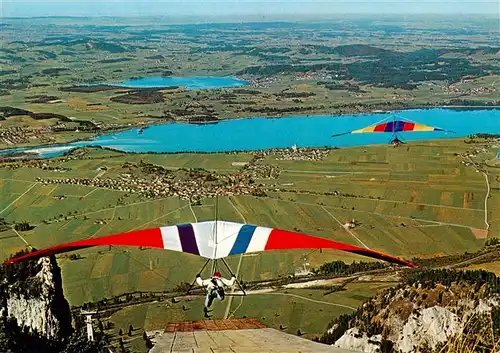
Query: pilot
[215,288]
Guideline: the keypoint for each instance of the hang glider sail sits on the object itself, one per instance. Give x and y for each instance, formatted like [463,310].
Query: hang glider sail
[394,127]
[214,240]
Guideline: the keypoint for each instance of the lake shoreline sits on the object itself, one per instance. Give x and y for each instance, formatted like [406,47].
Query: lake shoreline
[226,119]
[32,155]
[133,134]
[170,82]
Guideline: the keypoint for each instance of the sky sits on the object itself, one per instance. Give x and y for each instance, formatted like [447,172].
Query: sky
[209,8]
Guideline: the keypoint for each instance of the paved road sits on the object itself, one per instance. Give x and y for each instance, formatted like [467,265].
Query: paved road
[488,189]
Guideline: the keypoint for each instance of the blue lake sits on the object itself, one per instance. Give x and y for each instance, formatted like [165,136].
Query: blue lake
[187,82]
[265,133]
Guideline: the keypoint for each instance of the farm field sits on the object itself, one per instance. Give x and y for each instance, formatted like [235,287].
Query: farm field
[489,266]
[341,66]
[82,98]
[418,200]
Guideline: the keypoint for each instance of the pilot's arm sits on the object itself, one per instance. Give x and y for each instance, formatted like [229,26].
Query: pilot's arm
[230,282]
[202,282]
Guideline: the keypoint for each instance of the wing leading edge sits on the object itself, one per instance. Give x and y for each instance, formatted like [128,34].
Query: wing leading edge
[214,240]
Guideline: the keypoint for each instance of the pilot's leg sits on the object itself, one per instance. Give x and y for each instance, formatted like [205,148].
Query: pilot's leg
[220,294]
[209,299]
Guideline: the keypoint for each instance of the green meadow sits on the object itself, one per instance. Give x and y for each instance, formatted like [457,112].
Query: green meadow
[417,200]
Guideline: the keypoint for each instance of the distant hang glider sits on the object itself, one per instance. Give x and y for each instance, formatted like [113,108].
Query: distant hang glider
[394,126]
[214,240]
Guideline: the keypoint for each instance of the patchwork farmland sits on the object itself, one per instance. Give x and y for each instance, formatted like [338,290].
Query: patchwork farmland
[418,200]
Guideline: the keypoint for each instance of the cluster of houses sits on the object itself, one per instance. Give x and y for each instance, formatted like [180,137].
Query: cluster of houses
[474,91]
[188,189]
[295,153]
[23,135]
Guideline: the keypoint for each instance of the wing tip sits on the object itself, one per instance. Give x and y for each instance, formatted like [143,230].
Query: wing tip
[17,259]
[342,134]
[411,264]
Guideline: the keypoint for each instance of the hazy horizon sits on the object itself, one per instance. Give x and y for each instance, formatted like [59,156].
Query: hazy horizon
[238,9]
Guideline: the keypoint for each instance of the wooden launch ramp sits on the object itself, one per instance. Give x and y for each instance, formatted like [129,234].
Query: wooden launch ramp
[233,336]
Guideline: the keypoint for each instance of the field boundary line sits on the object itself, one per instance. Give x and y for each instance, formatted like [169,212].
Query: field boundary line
[127,205]
[157,218]
[429,225]
[20,180]
[24,193]
[398,202]
[423,220]
[488,190]
[321,172]
[486,201]
[231,201]
[351,232]
[86,186]
[192,211]
[105,225]
[310,300]
[100,174]
[90,192]
[51,191]
[22,238]
[378,214]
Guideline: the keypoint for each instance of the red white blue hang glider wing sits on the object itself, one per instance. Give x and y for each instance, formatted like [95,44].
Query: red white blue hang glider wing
[214,240]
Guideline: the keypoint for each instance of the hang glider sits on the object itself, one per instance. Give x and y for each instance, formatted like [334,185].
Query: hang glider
[394,127]
[213,240]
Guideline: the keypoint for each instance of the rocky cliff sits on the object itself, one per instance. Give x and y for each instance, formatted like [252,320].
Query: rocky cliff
[32,305]
[430,310]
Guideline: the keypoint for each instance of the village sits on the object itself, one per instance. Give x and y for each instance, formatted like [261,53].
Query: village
[297,154]
[193,190]
[37,135]
[151,181]
[23,135]
[475,91]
